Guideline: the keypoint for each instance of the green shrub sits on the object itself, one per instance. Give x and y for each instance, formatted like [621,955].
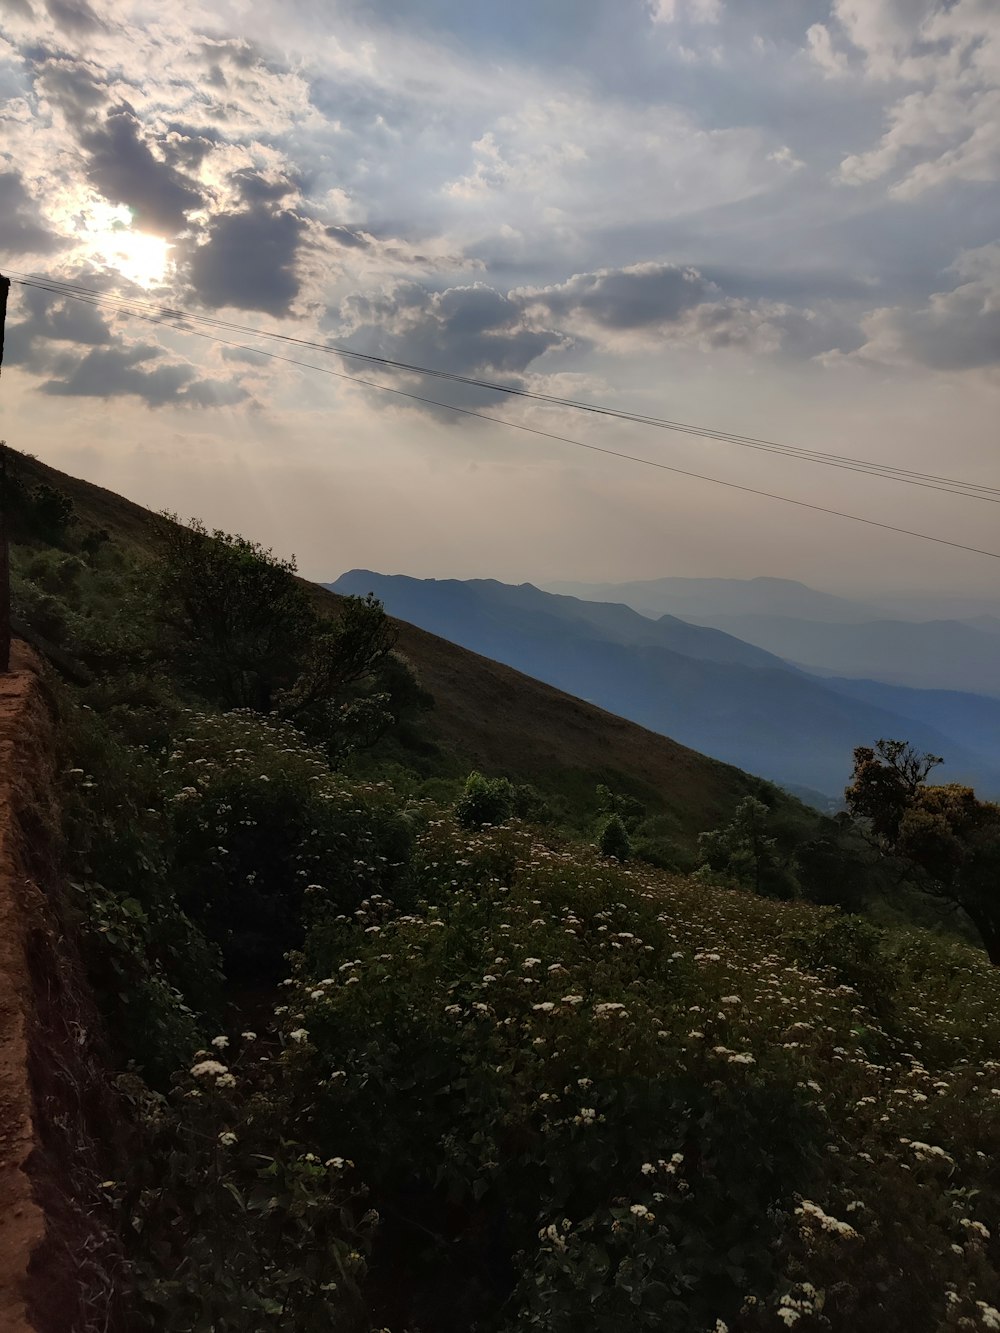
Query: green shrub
[485,801]
[613,840]
[230,1223]
[586,1096]
[263,837]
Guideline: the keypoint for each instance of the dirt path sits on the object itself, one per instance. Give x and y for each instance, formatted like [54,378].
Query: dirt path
[22,1225]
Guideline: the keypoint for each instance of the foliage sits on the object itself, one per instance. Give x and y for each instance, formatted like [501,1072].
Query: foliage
[230,1223]
[263,837]
[37,514]
[246,635]
[945,833]
[614,840]
[152,970]
[630,811]
[588,1096]
[484,801]
[745,852]
[240,617]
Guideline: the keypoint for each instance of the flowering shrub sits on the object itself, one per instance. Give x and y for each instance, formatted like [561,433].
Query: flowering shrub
[233,1224]
[594,1096]
[263,836]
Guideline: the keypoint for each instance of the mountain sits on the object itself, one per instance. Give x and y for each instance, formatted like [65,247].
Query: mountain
[933,654]
[752,712]
[973,720]
[489,716]
[480,613]
[701,598]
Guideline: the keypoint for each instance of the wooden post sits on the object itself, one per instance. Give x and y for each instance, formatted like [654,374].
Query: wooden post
[4,537]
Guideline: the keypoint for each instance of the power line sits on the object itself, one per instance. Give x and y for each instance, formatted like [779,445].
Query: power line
[593,448]
[579,444]
[185,319]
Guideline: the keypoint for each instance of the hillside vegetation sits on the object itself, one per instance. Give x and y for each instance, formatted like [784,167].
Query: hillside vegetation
[396,1047]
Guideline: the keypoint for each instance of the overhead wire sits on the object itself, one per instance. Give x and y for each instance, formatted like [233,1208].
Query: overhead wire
[563,439]
[183,319]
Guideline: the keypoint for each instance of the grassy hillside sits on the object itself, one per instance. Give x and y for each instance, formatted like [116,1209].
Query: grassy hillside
[489,716]
[384,1062]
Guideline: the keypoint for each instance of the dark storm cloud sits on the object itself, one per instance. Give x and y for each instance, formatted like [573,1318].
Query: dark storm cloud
[21,229]
[468,330]
[73,86]
[254,189]
[185,148]
[73,16]
[249,260]
[47,320]
[636,297]
[111,372]
[123,168]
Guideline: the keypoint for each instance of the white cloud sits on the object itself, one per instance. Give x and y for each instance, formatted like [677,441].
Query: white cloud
[694,11]
[957,331]
[943,126]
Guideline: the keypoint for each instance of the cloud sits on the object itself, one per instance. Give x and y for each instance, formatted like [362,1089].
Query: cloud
[474,330]
[125,171]
[74,348]
[21,230]
[110,372]
[694,11]
[249,260]
[73,85]
[254,189]
[944,126]
[649,304]
[49,319]
[353,240]
[73,16]
[957,330]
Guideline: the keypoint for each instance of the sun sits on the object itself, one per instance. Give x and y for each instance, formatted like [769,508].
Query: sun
[107,237]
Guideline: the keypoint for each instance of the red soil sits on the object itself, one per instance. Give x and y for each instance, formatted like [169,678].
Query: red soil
[22,1224]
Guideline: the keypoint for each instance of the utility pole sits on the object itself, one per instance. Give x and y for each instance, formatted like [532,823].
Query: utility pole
[4,535]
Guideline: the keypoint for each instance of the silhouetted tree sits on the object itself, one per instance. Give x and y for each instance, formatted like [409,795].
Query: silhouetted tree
[944,834]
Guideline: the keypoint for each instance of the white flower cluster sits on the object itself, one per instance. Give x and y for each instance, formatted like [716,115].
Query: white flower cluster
[807,1301]
[554,1235]
[813,1216]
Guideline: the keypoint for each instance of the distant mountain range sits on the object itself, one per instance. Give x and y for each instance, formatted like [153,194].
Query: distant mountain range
[833,635]
[704,687]
[697,598]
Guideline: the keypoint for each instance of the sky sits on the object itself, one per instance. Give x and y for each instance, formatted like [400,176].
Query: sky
[779,218]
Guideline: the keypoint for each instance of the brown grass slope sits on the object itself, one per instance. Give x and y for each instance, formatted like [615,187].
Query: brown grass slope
[490,716]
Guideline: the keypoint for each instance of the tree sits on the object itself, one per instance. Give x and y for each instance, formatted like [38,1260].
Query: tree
[945,835]
[745,851]
[614,840]
[247,635]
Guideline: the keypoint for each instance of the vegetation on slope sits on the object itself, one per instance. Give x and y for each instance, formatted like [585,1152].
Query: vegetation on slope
[400,1053]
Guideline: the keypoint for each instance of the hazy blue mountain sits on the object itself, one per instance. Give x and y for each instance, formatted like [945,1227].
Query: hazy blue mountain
[718,696]
[973,720]
[701,598]
[932,654]
[490,610]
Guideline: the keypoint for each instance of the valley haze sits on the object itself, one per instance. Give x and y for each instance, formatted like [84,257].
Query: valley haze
[692,676]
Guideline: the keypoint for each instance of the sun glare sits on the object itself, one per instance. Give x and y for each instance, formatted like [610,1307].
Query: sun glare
[107,237]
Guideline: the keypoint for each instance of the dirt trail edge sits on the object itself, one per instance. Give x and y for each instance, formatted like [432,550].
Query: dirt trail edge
[22,1222]
[57,1112]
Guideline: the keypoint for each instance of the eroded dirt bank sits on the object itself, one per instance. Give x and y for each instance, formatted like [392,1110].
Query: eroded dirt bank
[52,1090]
[22,1223]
